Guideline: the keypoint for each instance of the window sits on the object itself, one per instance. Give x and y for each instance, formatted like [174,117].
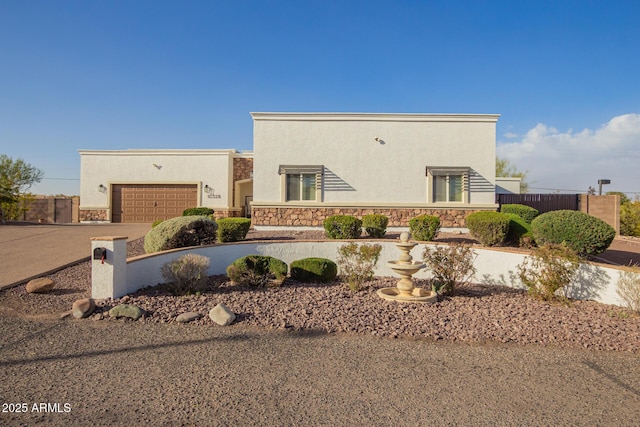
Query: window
[447,184]
[301,183]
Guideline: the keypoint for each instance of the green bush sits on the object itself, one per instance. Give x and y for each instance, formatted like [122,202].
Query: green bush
[258,271]
[197,211]
[451,266]
[424,227]
[180,232]
[357,263]
[525,212]
[186,274]
[375,225]
[487,227]
[630,219]
[233,229]
[156,222]
[519,229]
[549,269]
[342,227]
[583,233]
[319,270]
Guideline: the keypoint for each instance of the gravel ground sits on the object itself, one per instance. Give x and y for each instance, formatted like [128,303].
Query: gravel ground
[317,355]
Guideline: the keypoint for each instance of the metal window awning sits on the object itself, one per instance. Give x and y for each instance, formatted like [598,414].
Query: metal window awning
[301,169]
[447,170]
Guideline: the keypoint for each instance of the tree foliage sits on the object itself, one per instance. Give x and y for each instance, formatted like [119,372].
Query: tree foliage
[16,178]
[504,168]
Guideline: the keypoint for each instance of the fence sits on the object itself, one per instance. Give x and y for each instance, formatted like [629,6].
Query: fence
[52,210]
[542,202]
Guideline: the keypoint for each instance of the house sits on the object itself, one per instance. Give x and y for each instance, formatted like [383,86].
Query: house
[308,166]
[148,185]
[305,167]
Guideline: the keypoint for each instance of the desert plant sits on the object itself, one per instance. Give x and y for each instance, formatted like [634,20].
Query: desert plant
[549,269]
[424,227]
[488,227]
[186,274]
[258,271]
[233,229]
[180,232]
[319,270]
[342,227]
[451,265]
[628,288]
[519,230]
[585,234]
[357,263]
[375,225]
[197,211]
[525,212]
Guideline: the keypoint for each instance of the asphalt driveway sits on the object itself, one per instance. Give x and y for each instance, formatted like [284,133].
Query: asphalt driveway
[28,251]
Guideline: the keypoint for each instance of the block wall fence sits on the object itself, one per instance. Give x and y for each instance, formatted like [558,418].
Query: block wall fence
[117,276]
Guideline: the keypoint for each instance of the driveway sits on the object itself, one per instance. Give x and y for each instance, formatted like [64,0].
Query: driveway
[28,251]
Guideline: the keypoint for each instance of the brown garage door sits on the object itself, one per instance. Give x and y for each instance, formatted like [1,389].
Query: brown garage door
[150,202]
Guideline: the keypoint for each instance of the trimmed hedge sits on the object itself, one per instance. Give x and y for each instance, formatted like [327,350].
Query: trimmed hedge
[197,211]
[585,234]
[233,229]
[156,222]
[180,232]
[519,228]
[375,225]
[525,212]
[316,270]
[258,271]
[488,227]
[424,227]
[342,227]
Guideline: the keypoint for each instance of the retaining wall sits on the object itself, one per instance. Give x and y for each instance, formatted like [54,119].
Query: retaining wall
[118,276]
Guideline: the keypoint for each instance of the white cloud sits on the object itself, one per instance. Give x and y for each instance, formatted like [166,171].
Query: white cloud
[510,135]
[576,160]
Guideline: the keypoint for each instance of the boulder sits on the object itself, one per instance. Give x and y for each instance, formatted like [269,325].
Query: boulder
[188,317]
[40,285]
[222,315]
[126,310]
[83,308]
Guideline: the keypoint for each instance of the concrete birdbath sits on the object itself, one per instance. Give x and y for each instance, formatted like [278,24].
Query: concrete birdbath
[405,267]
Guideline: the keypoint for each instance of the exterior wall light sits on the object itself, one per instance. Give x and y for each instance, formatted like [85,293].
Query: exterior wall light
[102,188]
[207,188]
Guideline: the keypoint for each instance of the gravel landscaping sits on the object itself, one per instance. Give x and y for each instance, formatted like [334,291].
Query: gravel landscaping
[477,314]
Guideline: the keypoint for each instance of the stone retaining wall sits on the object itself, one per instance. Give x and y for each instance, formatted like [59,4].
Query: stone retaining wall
[93,215]
[314,216]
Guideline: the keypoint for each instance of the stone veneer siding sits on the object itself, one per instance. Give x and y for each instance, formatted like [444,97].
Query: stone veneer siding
[242,168]
[314,216]
[93,215]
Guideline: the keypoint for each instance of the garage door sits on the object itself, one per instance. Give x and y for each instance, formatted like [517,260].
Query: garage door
[151,202]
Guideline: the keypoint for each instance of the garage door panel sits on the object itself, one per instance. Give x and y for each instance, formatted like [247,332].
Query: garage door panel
[151,202]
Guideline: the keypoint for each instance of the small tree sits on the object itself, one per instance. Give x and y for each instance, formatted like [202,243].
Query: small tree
[505,168]
[16,178]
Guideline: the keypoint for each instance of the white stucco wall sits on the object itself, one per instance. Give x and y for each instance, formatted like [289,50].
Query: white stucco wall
[360,170]
[507,185]
[202,167]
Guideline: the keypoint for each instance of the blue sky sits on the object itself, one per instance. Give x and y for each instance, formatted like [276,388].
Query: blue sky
[94,74]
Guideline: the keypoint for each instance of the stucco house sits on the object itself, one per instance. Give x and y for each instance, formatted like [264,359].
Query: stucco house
[305,167]
[308,166]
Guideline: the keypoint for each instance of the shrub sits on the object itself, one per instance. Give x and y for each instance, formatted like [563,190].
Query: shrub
[319,270]
[424,227]
[375,225]
[451,265]
[549,269]
[197,211]
[186,274]
[357,263]
[180,232]
[487,227]
[156,222]
[258,271]
[630,219]
[342,227]
[628,289]
[233,229]
[519,229]
[585,234]
[525,212]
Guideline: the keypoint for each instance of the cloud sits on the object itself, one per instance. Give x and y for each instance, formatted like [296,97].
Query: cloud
[510,135]
[576,160]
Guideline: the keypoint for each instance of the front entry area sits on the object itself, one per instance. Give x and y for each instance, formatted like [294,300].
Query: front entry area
[141,203]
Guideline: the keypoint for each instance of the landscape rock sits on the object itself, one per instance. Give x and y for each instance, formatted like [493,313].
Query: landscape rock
[40,285]
[126,310]
[222,315]
[188,317]
[83,308]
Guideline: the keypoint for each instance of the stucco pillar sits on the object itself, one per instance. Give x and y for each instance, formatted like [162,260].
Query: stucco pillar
[108,275]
